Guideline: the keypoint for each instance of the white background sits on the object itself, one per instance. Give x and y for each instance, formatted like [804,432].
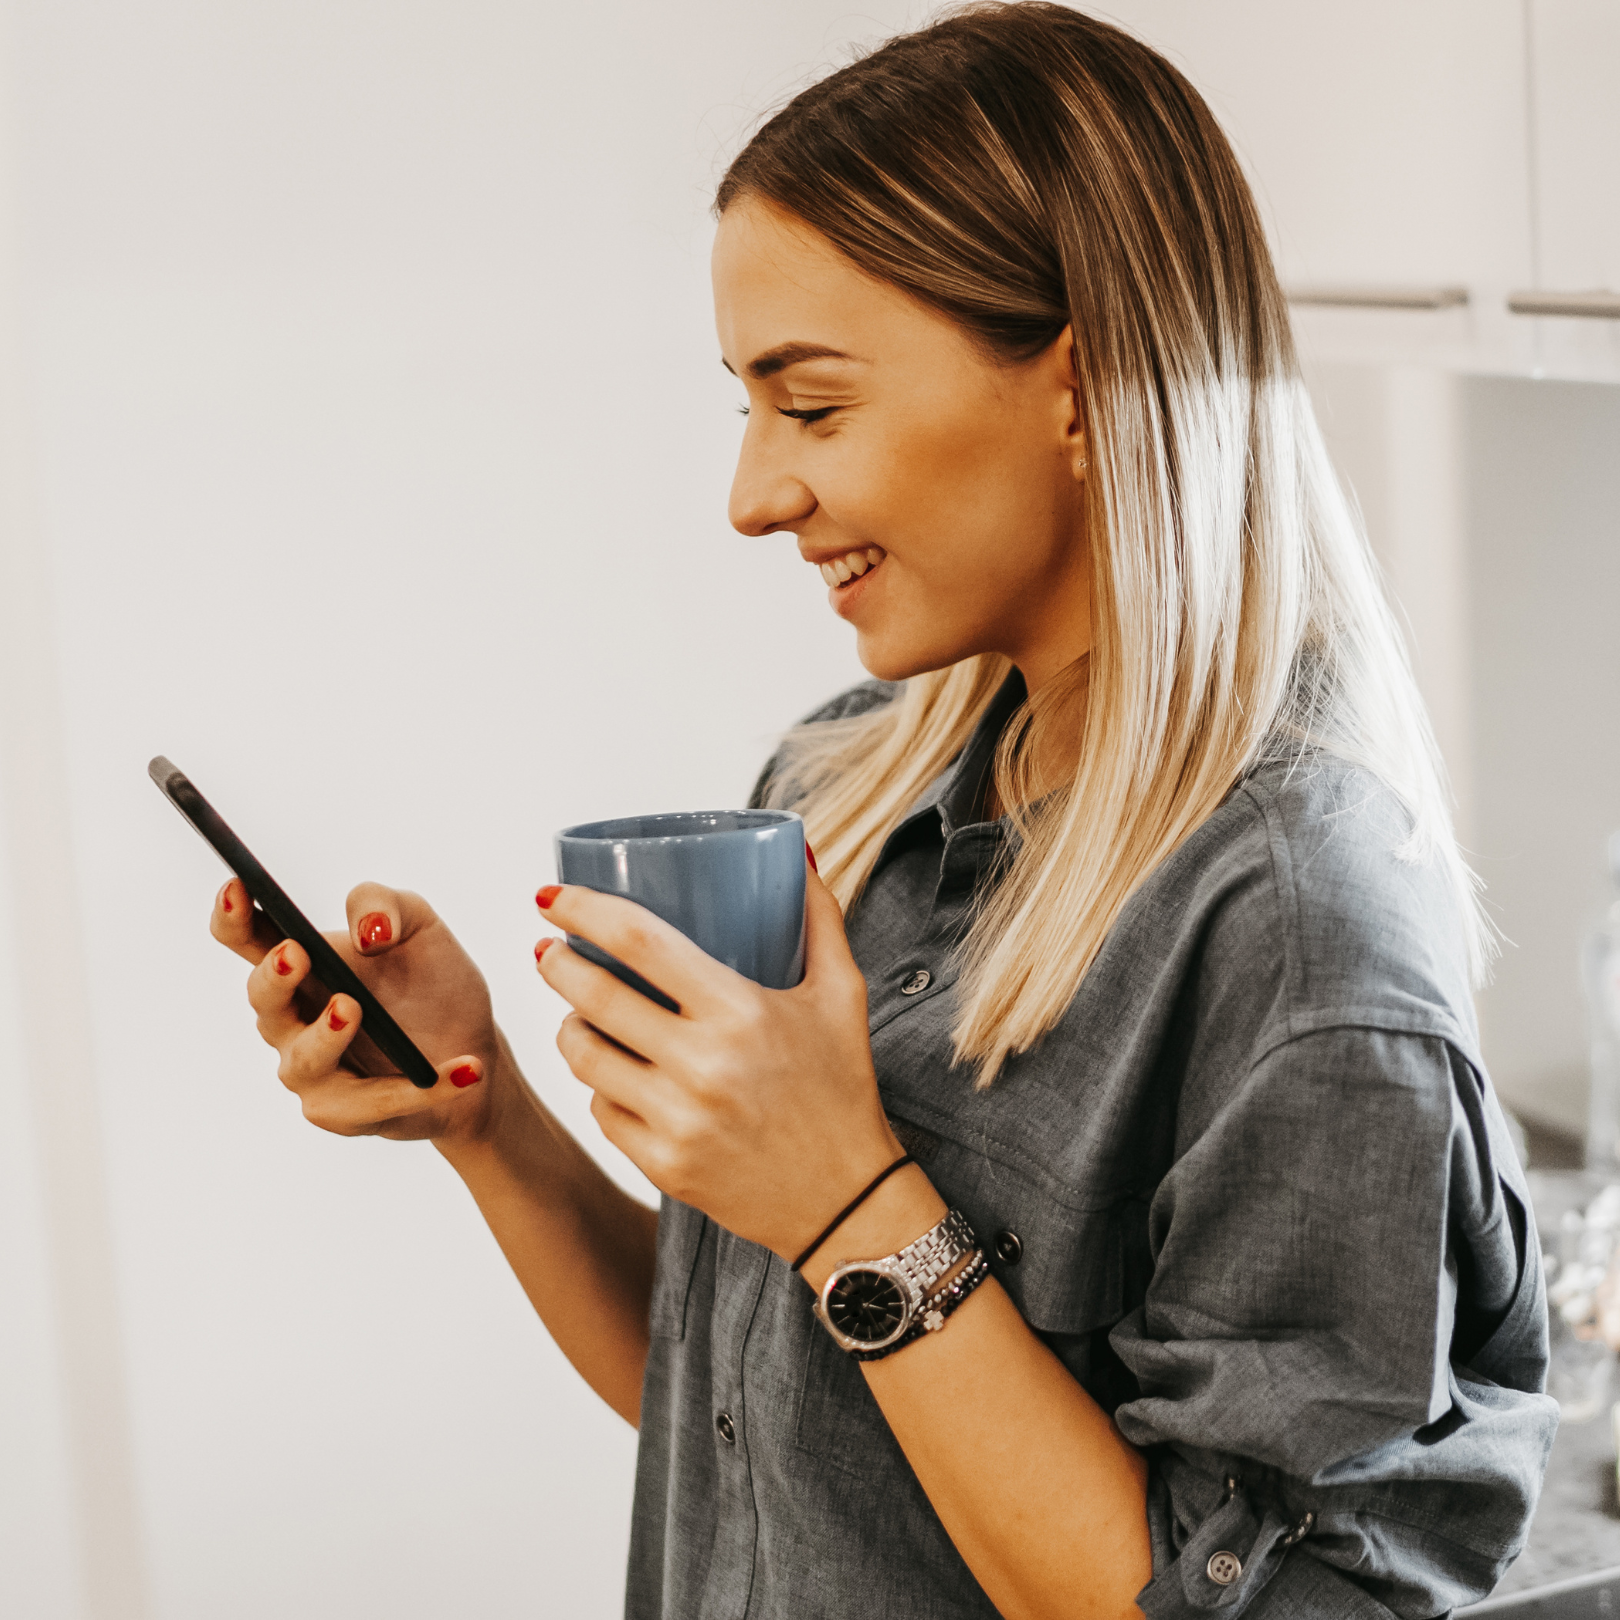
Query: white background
[383,455]
[377,446]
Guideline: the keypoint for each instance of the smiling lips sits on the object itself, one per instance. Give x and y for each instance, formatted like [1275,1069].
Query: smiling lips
[841,570]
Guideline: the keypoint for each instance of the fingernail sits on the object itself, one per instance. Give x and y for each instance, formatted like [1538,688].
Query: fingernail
[544,898]
[283,966]
[544,946]
[334,1021]
[810,855]
[374,930]
[225,899]
[464,1075]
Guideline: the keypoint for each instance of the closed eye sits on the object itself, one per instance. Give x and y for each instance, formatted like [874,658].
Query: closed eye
[806,416]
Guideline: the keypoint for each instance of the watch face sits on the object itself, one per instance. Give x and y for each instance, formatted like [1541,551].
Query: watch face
[866,1306]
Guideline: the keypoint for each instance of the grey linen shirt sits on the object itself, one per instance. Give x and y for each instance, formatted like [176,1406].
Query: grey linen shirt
[1254,1190]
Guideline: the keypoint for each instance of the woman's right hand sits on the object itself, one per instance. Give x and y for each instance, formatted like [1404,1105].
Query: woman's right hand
[400,949]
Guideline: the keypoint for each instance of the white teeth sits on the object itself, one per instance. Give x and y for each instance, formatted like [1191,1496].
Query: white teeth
[851,565]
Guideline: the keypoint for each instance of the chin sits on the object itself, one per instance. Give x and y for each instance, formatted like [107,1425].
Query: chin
[888,661]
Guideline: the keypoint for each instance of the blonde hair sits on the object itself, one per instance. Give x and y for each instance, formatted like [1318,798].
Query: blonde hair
[1024,168]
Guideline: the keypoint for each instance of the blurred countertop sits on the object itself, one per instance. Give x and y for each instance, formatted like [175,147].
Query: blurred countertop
[1576,1530]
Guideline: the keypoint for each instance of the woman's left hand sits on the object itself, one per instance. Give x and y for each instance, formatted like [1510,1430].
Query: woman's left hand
[759,1107]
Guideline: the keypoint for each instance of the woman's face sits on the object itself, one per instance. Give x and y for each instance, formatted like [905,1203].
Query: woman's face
[937,490]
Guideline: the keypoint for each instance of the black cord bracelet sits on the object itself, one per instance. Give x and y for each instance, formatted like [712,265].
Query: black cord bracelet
[850,1208]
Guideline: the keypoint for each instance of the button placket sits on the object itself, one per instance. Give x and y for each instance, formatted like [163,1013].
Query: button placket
[740,1272]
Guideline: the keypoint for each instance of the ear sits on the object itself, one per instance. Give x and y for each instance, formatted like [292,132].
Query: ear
[1076,442]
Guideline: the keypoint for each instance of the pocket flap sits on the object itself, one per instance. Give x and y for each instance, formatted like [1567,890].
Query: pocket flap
[1067,1269]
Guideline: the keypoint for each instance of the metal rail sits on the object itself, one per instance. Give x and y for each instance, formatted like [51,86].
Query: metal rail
[1600,306]
[1380,297]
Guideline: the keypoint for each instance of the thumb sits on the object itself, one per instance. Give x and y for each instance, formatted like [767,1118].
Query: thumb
[380,917]
[826,946]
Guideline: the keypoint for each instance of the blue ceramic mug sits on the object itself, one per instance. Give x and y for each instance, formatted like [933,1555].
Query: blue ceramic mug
[732,881]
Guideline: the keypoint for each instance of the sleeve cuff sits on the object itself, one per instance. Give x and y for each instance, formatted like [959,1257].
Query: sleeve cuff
[1237,1562]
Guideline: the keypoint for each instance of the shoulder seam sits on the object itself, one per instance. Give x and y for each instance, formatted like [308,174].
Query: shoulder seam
[1350,1025]
[1286,892]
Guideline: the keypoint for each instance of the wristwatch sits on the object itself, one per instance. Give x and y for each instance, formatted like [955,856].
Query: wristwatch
[872,1304]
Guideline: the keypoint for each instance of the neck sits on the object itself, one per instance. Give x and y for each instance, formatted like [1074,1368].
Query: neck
[1051,747]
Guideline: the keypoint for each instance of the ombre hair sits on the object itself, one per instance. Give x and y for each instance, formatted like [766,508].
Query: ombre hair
[1023,168]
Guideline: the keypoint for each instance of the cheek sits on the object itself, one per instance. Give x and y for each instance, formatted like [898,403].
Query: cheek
[925,491]
[976,511]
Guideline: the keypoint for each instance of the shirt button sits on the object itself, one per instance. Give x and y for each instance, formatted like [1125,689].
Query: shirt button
[917,983]
[1009,1248]
[1224,1568]
[728,1429]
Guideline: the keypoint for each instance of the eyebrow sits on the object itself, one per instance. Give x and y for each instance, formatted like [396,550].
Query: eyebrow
[785,355]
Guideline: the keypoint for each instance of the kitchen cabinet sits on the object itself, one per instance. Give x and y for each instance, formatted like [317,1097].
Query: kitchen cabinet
[1573,78]
[1421,168]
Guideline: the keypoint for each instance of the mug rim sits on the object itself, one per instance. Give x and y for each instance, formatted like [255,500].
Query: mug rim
[597,832]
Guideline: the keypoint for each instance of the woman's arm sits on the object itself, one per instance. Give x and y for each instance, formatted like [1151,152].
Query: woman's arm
[1042,1497]
[581,1248]
[761,1108]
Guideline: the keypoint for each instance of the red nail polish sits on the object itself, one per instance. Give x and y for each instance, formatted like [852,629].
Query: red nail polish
[810,855]
[283,966]
[225,899]
[374,930]
[335,1022]
[544,898]
[544,946]
[464,1075]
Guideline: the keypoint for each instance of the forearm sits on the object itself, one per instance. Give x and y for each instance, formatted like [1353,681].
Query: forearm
[581,1247]
[1042,1497]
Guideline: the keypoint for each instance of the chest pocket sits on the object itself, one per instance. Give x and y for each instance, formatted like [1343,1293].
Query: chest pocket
[680,1232]
[1071,1273]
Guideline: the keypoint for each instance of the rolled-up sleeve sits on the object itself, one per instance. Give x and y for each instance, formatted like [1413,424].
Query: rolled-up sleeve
[1342,1350]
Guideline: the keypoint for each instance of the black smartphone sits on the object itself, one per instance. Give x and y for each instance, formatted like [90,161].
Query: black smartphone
[330,968]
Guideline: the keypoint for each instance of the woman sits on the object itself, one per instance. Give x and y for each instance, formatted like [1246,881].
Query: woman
[1158,942]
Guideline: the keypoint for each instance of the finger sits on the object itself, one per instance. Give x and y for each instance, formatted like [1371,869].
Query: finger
[631,1135]
[605,1000]
[660,953]
[349,1105]
[380,917]
[237,923]
[610,1070]
[826,944]
[312,1054]
[272,989]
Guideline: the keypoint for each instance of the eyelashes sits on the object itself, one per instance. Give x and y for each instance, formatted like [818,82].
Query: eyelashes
[798,416]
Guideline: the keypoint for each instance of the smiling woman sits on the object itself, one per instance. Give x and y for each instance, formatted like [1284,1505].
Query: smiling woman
[1165,1248]
[939,486]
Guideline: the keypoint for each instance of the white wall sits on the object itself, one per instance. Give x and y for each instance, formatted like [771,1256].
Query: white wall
[383,460]
[1543,490]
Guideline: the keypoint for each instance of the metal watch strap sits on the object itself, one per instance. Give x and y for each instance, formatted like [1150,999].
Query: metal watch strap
[936,1309]
[915,1270]
[933,1254]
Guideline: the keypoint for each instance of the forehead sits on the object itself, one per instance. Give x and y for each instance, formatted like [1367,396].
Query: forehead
[776,280]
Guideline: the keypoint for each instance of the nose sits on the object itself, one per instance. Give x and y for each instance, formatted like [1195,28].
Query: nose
[766,495]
